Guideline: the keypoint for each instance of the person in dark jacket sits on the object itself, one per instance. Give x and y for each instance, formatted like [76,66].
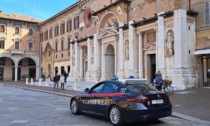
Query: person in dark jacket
[158,80]
[56,80]
[65,76]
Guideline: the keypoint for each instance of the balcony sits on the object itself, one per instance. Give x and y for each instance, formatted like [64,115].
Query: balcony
[17,52]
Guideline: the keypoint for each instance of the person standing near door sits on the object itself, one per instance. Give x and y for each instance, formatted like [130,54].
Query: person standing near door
[158,80]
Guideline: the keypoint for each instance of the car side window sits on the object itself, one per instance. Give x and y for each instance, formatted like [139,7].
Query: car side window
[111,88]
[97,89]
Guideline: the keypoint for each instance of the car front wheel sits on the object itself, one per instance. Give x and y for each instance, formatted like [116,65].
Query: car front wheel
[115,116]
[74,107]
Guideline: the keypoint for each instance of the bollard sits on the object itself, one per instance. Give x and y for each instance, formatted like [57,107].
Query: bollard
[74,85]
[26,81]
[40,81]
[32,81]
[46,82]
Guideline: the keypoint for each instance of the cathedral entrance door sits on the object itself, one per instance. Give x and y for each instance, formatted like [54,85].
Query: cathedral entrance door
[109,62]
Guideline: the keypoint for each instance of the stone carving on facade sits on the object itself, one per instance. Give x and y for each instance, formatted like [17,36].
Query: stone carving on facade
[95,20]
[169,43]
[111,23]
[126,50]
[92,55]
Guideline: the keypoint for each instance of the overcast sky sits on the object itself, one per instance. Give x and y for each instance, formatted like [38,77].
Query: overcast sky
[39,9]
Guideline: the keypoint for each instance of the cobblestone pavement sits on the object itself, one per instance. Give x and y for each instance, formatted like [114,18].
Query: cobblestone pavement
[191,104]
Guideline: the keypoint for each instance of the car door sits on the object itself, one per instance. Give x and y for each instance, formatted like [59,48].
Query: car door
[89,100]
[110,90]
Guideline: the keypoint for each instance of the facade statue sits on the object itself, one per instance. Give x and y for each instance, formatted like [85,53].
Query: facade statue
[126,50]
[169,43]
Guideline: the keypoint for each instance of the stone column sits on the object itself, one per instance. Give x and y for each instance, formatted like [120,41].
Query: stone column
[71,58]
[120,52]
[160,43]
[140,56]
[89,55]
[97,56]
[103,62]
[81,62]
[180,38]
[16,72]
[131,47]
[157,66]
[37,72]
[76,61]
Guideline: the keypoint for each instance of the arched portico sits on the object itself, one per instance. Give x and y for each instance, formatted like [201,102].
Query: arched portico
[7,65]
[27,67]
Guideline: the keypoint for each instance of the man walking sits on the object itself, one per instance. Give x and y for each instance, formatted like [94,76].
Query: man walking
[56,80]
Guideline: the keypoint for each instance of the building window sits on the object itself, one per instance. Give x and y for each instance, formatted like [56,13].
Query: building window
[207,13]
[2,28]
[41,37]
[51,31]
[56,46]
[62,44]
[30,46]
[69,54]
[1,44]
[56,30]
[17,30]
[62,28]
[76,22]
[2,61]
[69,25]
[17,45]
[62,55]
[31,32]
[46,35]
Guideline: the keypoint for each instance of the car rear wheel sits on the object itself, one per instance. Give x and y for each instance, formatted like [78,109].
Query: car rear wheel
[74,107]
[115,116]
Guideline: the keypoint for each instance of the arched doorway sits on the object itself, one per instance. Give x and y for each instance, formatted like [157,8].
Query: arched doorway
[26,68]
[62,69]
[56,70]
[6,68]
[109,62]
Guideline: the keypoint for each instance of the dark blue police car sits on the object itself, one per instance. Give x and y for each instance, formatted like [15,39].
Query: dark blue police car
[122,101]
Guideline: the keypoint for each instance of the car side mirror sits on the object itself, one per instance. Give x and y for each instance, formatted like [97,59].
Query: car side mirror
[87,90]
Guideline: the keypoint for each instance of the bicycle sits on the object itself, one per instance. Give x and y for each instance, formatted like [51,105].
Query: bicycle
[167,88]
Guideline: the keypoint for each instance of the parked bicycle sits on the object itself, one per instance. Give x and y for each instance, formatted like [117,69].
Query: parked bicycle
[167,88]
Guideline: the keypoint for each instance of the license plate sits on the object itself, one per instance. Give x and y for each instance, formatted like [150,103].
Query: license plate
[159,101]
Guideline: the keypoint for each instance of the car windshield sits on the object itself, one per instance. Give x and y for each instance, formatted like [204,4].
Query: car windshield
[139,88]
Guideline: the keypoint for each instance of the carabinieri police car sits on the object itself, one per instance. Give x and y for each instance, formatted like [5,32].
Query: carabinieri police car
[125,101]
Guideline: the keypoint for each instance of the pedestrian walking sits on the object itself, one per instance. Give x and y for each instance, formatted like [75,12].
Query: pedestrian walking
[56,80]
[158,80]
[65,76]
[62,80]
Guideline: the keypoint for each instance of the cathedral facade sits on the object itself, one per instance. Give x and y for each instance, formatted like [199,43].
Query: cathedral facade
[93,41]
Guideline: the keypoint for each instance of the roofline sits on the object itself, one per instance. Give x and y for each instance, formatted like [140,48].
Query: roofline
[60,13]
[107,7]
[20,20]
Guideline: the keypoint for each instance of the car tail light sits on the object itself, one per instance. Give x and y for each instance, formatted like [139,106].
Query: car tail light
[138,100]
